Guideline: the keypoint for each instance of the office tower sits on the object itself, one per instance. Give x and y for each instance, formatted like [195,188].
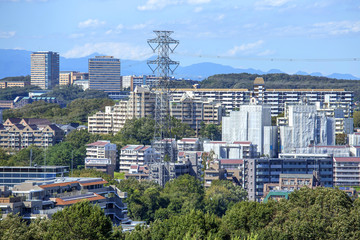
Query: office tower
[104,74]
[45,69]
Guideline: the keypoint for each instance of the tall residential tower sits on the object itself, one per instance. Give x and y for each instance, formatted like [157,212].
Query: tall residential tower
[104,74]
[45,69]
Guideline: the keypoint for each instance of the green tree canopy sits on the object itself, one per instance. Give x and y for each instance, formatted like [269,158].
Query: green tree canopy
[82,220]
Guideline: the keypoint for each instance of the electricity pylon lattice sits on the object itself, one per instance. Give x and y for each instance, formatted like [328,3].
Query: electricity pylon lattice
[162,66]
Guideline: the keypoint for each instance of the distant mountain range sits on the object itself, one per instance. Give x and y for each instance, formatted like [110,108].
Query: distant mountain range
[17,63]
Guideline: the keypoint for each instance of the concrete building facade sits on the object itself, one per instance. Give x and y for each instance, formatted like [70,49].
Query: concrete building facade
[45,69]
[104,74]
[102,156]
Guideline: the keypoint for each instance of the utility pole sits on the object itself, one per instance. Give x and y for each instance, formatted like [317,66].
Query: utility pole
[163,66]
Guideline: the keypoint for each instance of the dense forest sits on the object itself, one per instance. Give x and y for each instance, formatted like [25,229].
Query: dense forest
[280,80]
[183,209]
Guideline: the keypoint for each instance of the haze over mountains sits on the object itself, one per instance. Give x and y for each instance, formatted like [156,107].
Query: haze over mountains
[17,63]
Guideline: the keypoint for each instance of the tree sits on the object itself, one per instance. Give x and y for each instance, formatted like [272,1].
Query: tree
[180,130]
[245,218]
[222,195]
[210,131]
[82,220]
[92,173]
[191,225]
[341,139]
[184,194]
[12,227]
[356,117]
[320,213]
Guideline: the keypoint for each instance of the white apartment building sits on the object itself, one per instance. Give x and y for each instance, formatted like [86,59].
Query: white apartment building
[188,144]
[141,103]
[346,171]
[101,155]
[231,150]
[232,99]
[139,155]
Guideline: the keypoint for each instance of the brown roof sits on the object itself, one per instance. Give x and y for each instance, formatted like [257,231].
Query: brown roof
[63,202]
[347,159]
[98,143]
[93,183]
[259,80]
[57,184]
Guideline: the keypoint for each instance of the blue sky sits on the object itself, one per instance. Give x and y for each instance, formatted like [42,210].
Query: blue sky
[239,33]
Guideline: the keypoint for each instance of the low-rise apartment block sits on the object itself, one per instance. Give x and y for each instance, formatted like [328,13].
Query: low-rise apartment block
[347,171]
[16,134]
[33,199]
[102,156]
[135,155]
[259,171]
[5,84]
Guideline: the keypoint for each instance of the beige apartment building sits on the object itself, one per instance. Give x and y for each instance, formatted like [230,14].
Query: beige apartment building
[141,103]
[4,84]
[16,134]
[69,77]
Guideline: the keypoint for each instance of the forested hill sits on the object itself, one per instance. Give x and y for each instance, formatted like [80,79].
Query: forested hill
[245,80]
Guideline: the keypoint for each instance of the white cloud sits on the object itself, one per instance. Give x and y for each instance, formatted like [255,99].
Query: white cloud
[337,28]
[117,49]
[7,34]
[139,26]
[198,1]
[76,35]
[271,4]
[91,23]
[220,17]
[160,4]
[245,47]
[198,9]
[267,52]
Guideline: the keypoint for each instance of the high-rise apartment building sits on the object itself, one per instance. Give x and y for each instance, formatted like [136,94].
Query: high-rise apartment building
[45,69]
[104,74]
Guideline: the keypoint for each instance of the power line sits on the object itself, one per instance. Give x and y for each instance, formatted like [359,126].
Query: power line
[354,59]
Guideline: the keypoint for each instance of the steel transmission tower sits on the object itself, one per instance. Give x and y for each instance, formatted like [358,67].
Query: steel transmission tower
[162,66]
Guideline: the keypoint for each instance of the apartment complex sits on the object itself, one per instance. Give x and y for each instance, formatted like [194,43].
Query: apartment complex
[232,99]
[131,82]
[102,156]
[16,134]
[41,199]
[141,103]
[260,171]
[45,69]
[104,74]
[193,112]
